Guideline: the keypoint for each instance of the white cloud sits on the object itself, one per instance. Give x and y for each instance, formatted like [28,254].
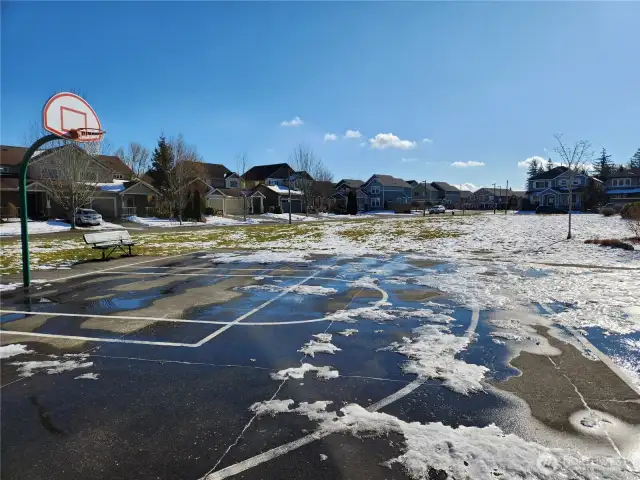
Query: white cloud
[383,141]
[527,162]
[352,134]
[427,140]
[409,159]
[470,163]
[469,186]
[294,122]
[330,137]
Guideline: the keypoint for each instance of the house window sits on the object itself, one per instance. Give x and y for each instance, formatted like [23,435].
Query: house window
[274,181]
[118,176]
[375,189]
[375,201]
[576,181]
[233,184]
[621,182]
[562,182]
[539,184]
[4,169]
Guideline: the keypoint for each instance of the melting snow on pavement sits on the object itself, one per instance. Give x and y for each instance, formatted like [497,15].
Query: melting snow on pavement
[324,372]
[432,355]
[28,369]
[12,350]
[263,256]
[463,452]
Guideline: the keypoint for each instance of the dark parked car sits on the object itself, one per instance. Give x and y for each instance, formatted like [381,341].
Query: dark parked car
[550,209]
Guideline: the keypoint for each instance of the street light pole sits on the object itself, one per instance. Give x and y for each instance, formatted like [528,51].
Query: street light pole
[494,198]
[506,194]
[424,200]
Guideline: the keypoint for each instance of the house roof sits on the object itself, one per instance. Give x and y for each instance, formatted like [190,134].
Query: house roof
[627,172]
[262,172]
[444,186]
[549,174]
[389,181]
[351,183]
[115,163]
[281,190]
[10,155]
[466,193]
[214,170]
[519,193]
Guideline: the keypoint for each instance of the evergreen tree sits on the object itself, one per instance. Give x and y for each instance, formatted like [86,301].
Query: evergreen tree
[352,203]
[603,166]
[549,165]
[161,162]
[534,168]
[634,162]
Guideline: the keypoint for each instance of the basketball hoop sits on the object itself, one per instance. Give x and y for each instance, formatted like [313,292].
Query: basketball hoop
[71,117]
[89,139]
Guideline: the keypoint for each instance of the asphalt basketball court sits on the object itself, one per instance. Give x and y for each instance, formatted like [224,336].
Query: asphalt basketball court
[182,347]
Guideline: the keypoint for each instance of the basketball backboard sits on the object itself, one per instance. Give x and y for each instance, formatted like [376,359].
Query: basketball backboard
[70,116]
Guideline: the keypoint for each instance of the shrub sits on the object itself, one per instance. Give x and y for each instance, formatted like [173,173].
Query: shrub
[607,212]
[277,209]
[611,242]
[12,211]
[209,211]
[631,211]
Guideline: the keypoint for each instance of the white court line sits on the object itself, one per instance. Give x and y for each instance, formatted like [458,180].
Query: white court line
[97,339]
[318,435]
[601,355]
[251,312]
[262,267]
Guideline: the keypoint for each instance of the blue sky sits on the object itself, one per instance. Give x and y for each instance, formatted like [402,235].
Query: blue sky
[486,83]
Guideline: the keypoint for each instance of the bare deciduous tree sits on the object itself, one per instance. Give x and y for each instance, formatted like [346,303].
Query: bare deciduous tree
[242,165]
[309,169]
[136,157]
[323,187]
[181,170]
[575,159]
[71,176]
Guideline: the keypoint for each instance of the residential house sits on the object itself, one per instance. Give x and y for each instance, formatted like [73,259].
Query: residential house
[447,194]
[119,194]
[383,190]
[425,192]
[486,199]
[232,180]
[551,188]
[341,192]
[278,197]
[623,186]
[322,192]
[413,183]
[234,201]
[275,174]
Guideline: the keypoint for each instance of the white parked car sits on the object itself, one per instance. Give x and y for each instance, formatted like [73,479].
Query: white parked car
[437,209]
[86,216]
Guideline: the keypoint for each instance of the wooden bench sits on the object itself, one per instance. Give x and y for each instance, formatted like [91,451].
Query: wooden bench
[110,241]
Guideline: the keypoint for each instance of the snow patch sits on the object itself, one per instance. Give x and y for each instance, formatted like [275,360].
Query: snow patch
[88,376]
[313,347]
[263,256]
[463,452]
[14,349]
[28,369]
[348,332]
[432,355]
[324,372]
[323,337]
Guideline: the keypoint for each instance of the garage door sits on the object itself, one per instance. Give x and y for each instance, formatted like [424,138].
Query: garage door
[296,205]
[105,207]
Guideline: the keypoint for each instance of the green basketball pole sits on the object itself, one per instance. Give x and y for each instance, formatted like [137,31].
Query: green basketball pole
[24,229]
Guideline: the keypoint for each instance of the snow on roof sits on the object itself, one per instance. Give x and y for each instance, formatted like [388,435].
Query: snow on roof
[280,190]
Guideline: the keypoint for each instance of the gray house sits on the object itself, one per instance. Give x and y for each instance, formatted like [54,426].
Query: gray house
[425,192]
[550,188]
[383,190]
[623,186]
[447,194]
